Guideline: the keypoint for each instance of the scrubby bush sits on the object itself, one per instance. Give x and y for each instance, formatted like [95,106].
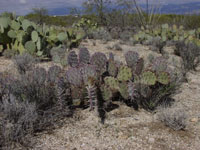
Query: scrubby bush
[117,47]
[31,102]
[93,80]
[9,53]
[190,54]
[59,55]
[173,117]
[100,34]
[19,118]
[24,62]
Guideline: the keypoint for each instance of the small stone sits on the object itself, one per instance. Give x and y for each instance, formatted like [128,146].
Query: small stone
[151,140]
[194,120]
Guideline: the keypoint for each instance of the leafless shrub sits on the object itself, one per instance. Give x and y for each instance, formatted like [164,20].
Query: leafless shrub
[9,53]
[101,34]
[190,54]
[117,47]
[24,62]
[173,117]
[18,120]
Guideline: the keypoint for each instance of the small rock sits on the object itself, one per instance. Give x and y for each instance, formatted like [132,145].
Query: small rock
[151,140]
[194,120]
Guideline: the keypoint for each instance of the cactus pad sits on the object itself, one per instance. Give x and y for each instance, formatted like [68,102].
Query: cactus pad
[123,89]
[163,78]
[124,74]
[72,59]
[84,56]
[99,60]
[111,82]
[74,77]
[112,68]
[107,93]
[88,71]
[159,64]
[148,78]
[131,58]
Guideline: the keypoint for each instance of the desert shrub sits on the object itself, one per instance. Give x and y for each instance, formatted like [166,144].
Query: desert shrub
[125,35]
[18,119]
[34,87]
[173,117]
[9,53]
[115,32]
[191,21]
[101,34]
[117,47]
[24,62]
[157,44]
[59,55]
[150,97]
[35,101]
[190,54]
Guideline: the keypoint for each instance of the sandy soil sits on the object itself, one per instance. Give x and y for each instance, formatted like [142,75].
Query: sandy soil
[125,128]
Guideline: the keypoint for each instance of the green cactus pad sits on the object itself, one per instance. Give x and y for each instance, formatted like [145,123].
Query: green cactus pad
[112,68]
[163,78]
[25,24]
[12,34]
[30,46]
[4,22]
[15,25]
[106,92]
[111,82]
[62,36]
[34,36]
[39,44]
[124,74]
[123,89]
[148,78]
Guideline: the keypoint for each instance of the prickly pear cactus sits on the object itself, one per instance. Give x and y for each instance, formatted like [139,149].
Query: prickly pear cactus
[84,56]
[74,77]
[123,89]
[148,78]
[163,78]
[72,59]
[159,64]
[112,68]
[87,72]
[53,73]
[139,66]
[92,95]
[107,94]
[111,82]
[99,60]
[61,92]
[145,91]
[132,91]
[124,74]
[131,58]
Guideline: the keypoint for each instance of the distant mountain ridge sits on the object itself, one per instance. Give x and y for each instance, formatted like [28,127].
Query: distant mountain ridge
[185,8]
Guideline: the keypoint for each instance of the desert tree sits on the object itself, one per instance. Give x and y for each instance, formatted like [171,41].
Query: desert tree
[99,8]
[146,15]
[40,14]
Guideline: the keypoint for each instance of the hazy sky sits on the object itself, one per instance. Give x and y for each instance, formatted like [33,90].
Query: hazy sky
[24,6]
